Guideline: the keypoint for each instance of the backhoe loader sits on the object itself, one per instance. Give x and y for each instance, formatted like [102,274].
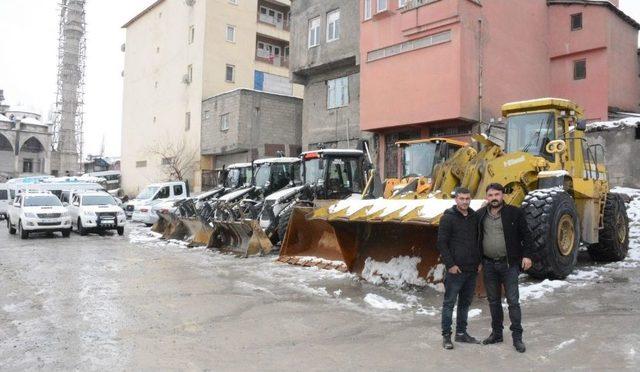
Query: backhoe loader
[548,169]
[313,241]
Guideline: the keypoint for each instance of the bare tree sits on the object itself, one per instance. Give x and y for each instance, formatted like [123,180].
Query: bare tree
[178,159]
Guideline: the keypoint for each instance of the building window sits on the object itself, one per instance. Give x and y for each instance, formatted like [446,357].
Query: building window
[187,121]
[230,74]
[580,69]
[402,3]
[141,164]
[409,45]
[192,34]
[333,25]
[27,166]
[338,92]
[381,5]
[234,2]
[576,21]
[314,32]
[367,9]
[167,161]
[190,73]
[231,34]
[224,122]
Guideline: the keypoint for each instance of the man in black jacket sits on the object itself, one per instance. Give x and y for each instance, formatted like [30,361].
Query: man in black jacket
[505,243]
[457,243]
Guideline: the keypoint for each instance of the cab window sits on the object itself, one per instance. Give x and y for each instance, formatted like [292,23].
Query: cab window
[4,195]
[164,193]
[177,190]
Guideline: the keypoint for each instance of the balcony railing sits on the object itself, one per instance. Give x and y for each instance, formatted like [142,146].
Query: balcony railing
[271,20]
[270,58]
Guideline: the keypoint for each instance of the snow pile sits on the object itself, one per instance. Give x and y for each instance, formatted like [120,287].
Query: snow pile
[630,121]
[398,272]
[380,302]
[538,290]
[564,344]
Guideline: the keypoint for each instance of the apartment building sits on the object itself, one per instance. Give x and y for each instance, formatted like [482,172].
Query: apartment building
[439,67]
[179,53]
[325,59]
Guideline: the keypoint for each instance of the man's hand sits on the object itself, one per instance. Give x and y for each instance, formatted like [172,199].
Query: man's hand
[454,270]
[479,267]
[526,263]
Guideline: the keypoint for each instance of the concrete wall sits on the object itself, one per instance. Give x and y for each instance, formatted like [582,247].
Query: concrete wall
[258,123]
[621,148]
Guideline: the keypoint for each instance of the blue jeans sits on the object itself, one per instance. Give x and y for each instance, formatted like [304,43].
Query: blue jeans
[496,275]
[458,287]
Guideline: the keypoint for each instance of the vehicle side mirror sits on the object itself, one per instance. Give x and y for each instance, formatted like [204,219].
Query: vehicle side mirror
[582,125]
[65,204]
[76,204]
[17,205]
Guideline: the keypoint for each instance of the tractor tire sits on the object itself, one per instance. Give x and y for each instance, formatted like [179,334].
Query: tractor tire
[283,222]
[613,240]
[12,230]
[555,231]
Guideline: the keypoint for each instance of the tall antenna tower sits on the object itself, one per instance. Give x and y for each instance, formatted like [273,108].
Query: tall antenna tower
[67,128]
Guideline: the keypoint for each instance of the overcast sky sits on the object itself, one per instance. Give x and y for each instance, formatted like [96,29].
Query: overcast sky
[28,60]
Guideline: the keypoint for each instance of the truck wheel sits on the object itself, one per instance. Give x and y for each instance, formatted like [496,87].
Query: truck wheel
[120,231]
[283,222]
[555,231]
[66,233]
[12,230]
[81,230]
[613,239]
[23,234]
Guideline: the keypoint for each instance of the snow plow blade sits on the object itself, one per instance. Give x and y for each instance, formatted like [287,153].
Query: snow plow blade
[161,225]
[175,230]
[199,232]
[311,242]
[243,238]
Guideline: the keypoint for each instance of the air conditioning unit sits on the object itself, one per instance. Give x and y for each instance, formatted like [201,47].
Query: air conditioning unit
[190,2]
[186,79]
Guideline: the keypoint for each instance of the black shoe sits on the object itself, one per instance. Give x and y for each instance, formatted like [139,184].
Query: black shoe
[446,342]
[519,345]
[466,338]
[493,338]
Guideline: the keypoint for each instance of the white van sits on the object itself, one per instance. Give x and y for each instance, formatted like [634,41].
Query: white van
[5,199]
[153,193]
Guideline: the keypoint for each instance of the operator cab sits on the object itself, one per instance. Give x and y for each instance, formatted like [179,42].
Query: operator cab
[530,132]
[238,175]
[273,174]
[419,158]
[337,173]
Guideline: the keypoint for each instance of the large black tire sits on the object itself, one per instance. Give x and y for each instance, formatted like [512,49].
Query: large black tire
[66,233]
[283,221]
[613,240]
[12,230]
[555,230]
[120,230]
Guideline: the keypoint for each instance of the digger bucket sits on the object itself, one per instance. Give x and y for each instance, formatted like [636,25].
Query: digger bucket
[175,230]
[161,224]
[373,233]
[311,242]
[199,232]
[244,238]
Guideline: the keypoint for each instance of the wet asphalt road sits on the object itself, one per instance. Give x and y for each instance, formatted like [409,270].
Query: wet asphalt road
[134,302]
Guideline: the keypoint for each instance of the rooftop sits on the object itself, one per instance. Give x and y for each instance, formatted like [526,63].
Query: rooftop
[142,13]
[604,3]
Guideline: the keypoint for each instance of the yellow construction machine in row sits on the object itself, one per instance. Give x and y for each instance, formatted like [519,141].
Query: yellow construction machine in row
[548,169]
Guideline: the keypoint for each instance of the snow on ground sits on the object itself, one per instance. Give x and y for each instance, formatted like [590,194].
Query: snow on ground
[389,288]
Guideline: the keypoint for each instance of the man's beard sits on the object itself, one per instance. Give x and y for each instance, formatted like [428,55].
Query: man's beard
[496,203]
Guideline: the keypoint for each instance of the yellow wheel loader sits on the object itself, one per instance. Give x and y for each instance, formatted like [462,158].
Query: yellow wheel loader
[314,239]
[547,167]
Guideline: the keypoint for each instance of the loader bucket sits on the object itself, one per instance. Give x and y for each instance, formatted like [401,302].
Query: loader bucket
[311,242]
[243,238]
[175,230]
[160,225]
[199,232]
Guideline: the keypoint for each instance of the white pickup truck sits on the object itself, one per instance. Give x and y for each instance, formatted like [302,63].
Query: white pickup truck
[96,211]
[38,212]
[140,208]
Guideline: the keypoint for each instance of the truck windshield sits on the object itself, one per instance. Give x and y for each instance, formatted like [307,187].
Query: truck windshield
[238,177]
[312,171]
[42,201]
[418,159]
[529,132]
[345,177]
[98,200]
[147,193]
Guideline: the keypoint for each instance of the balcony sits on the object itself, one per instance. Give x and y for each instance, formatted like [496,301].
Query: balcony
[280,24]
[274,14]
[270,57]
